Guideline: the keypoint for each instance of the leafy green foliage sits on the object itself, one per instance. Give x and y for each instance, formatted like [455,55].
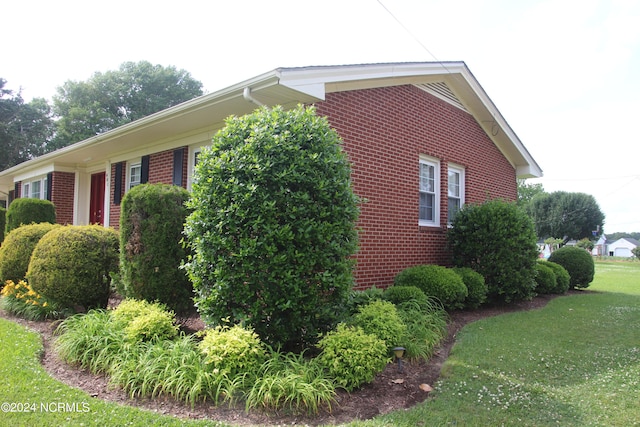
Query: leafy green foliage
[272,226]
[108,100]
[21,300]
[288,381]
[578,263]
[497,240]
[25,211]
[436,282]
[358,298]
[402,294]
[567,215]
[380,318]
[151,253]
[71,265]
[25,128]
[351,356]
[636,252]
[476,287]
[17,248]
[561,275]
[232,351]
[144,321]
[426,327]
[545,279]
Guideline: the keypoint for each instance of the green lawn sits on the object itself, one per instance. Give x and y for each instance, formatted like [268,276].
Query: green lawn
[574,363]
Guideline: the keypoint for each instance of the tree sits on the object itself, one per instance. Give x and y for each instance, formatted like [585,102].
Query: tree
[273,226]
[636,251]
[566,215]
[25,128]
[112,99]
[526,192]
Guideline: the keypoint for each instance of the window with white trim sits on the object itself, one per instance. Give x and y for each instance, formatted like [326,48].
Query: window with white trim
[429,204]
[135,174]
[456,191]
[35,188]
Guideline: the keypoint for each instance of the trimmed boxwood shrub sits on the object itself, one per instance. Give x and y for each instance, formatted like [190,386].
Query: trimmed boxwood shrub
[16,250]
[151,252]
[273,226]
[476,287]
[26,211]
[401,294]
[578,263]
[545,279]
[562,276]
[435,281]
[71,265]
[497,239]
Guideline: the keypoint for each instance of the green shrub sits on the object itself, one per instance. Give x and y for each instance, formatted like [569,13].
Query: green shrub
[545,279]
[144,321]
[562,276]
[151,253]
[436,282]
[578,263]
[3,223]
[273,226]
[363,297]
[71,265]
[26,211]
[380,318]
[351,356]
[401,294]
[232,351]
[17,248]
[476,287]
[497,239]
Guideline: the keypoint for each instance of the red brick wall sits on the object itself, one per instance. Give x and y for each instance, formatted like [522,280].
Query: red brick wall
[62,193]
[385,131]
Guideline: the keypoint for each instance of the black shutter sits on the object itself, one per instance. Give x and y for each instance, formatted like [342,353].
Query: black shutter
[178,157]
[117,180]
[144,170]
[16,190]
[49,185]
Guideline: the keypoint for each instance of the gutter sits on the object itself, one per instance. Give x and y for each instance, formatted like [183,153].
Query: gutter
[246,94]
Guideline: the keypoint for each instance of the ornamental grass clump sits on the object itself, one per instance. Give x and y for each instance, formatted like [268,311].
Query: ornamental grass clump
[20,299]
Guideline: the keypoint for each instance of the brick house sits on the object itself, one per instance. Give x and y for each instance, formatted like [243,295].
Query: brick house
[423,140]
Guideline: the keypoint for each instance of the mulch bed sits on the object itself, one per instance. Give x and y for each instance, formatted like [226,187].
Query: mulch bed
[389,391]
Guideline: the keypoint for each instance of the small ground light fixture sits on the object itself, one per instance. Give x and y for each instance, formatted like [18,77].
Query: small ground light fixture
[399,352]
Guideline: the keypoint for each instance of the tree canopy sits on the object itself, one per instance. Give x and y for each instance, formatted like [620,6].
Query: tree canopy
[111,99]
[526,192]
[25,128]
[565,215]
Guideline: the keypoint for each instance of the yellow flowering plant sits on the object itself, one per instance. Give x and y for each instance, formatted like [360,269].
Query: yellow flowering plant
[20,299]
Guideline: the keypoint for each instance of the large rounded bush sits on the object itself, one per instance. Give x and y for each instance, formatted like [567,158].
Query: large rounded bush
[26,211]
[578,263]
[402,294]
[545,279]
[151,252]
[562,276]
[72,266]
[273,226]
[476,287]
[435,281]
[497,239]
[16,250]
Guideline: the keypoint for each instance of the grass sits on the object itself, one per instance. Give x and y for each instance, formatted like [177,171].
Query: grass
[574,363]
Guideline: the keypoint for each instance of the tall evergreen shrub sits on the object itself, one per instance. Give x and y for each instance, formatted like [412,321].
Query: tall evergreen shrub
[273,226]
[151,249]
[497,239]
[25,211]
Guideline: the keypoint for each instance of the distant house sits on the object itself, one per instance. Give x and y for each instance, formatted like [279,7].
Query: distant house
[622,247]
[423,139]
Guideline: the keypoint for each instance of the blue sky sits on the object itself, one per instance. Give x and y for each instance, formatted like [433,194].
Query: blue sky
[564,73]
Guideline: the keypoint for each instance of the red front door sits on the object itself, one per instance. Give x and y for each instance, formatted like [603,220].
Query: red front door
[96,201]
